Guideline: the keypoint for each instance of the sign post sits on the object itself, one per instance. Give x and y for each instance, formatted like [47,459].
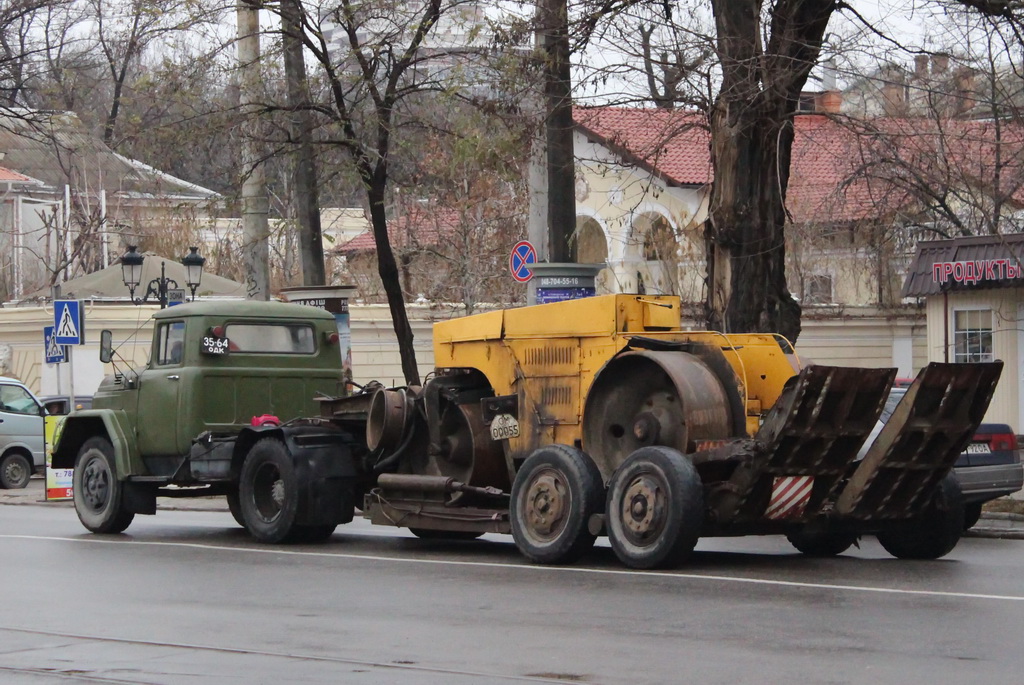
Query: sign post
[68,329]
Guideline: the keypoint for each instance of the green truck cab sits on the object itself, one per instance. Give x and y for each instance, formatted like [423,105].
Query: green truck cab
[189,422]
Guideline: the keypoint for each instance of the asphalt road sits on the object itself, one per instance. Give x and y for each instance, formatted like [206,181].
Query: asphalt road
[187,597]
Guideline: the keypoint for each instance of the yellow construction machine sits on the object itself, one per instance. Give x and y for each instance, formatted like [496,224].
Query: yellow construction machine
[561,422]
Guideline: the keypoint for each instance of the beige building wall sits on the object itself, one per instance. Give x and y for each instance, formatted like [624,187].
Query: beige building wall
[867,338]
[1007,306]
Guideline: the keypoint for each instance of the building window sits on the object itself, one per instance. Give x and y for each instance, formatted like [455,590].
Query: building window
[972,335]
[818,289]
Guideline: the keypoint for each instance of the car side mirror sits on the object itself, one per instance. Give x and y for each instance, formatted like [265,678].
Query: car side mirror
[106,346]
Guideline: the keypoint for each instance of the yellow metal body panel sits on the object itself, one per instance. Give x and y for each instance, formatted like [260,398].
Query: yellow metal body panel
[550,354]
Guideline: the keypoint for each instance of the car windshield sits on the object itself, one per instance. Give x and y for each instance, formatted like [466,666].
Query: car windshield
[16,400]
[890,403]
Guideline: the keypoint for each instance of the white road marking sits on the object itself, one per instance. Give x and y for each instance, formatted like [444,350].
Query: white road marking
[535,569]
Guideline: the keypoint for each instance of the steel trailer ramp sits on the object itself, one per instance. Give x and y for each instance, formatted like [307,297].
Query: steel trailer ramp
[921,441]
[813,434]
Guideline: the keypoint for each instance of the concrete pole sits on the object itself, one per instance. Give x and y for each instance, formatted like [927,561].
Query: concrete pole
[255,204]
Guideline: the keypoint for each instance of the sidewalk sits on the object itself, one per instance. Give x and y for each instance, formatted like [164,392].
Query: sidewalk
[992,524]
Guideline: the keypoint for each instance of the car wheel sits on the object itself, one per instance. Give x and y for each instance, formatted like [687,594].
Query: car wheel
[655,508]
[269,492]
[935,532]
[15,471]
[972,513]
[556,491]
[97,491]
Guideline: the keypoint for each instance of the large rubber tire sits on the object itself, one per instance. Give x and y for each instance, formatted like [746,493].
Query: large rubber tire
[269,492]
[235,507]
[556,491]
[15,471]
[822,542]
[97,491]
[972,514]
[935,532]
[655,508]
[431,534]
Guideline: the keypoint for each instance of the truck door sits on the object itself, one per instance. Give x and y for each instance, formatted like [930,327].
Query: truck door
[160,393]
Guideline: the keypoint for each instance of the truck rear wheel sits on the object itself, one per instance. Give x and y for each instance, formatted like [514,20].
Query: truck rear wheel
[15,470]
[935,532]
[655,508]
[269,492]
[556,491]
[235,507]
[98,494]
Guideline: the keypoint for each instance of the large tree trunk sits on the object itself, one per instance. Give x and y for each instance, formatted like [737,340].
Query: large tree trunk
[752,134]
[745,231]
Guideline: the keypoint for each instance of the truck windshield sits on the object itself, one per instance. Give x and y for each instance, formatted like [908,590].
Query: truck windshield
[271,338]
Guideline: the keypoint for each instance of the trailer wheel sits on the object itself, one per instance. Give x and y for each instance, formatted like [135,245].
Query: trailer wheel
[822,542]
[556,491]
[235,507]
[432,534]
[935,532]
[97,491]
[655,508]
[15,470]
[268,492]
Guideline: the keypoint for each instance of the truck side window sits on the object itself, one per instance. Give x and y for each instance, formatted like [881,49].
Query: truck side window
[170,340]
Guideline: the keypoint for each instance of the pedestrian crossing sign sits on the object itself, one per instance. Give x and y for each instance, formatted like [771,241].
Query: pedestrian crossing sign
[68,322]
[54,352]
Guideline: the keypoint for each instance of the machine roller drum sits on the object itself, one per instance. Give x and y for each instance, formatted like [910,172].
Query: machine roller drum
[468,454]
[390,410]
[644,398]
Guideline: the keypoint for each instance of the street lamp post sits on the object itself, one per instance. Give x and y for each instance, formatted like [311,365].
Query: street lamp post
[131,274]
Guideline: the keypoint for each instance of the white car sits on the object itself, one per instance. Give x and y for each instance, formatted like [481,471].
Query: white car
[22,448]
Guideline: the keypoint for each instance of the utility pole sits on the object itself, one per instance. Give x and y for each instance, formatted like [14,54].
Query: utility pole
[305,194]
[255,204]
[561,195]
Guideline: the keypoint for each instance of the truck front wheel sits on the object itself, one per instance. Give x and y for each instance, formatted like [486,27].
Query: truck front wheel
[269,492]
[97,491]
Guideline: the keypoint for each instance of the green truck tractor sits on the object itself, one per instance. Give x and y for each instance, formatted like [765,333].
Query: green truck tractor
[212,413]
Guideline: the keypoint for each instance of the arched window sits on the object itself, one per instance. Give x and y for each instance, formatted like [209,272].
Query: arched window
[591,246]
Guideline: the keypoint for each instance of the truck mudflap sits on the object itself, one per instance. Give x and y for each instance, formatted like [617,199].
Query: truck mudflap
[791,470]
[920,442]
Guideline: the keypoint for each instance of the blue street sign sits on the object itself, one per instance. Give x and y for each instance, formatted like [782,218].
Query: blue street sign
[68,322]
[523,255]
[55,354]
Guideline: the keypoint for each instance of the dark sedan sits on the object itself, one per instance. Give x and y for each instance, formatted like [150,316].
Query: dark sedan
[990,467]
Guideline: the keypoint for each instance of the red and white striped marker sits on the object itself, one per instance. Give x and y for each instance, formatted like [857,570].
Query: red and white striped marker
[790,495]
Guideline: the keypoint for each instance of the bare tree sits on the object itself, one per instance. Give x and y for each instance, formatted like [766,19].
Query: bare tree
[378,61]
